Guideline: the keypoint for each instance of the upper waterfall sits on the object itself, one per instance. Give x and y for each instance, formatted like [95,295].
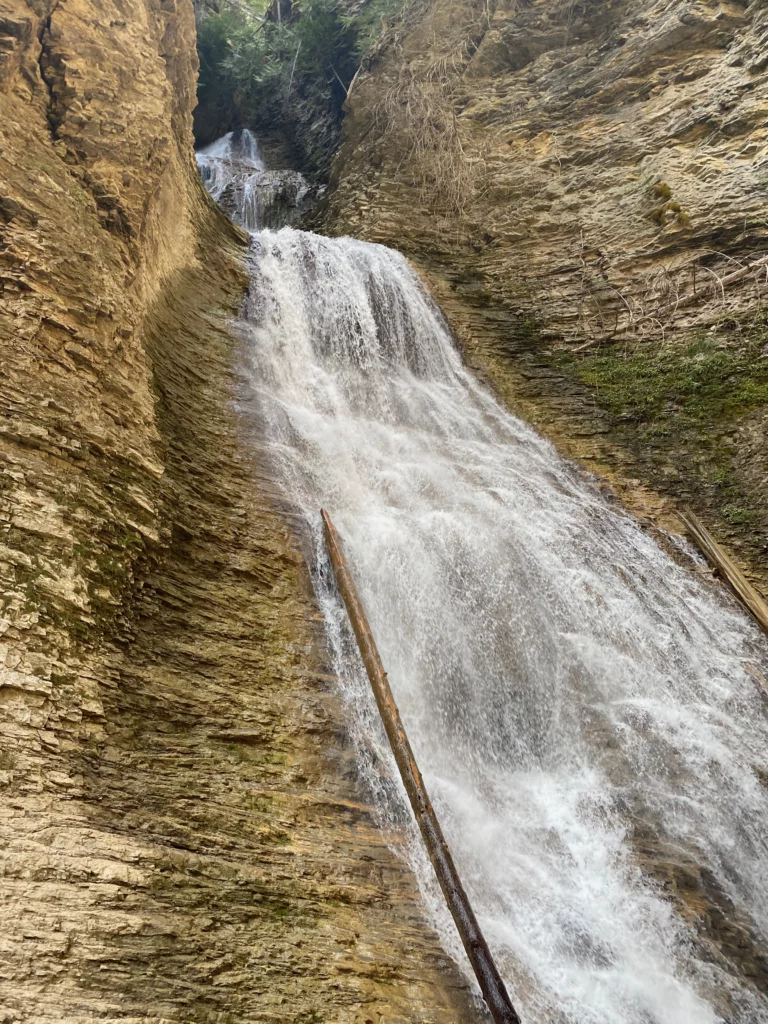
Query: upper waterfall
[233,156]
[255,197]
[584,709]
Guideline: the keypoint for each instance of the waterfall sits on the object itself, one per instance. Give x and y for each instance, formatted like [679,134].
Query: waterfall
[587,713]
[233,156]
[234,173]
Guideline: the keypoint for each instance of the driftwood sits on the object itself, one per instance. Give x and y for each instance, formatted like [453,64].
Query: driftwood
[488,977]
[727,568]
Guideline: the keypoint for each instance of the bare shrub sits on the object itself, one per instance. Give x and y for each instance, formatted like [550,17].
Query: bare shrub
[421,109]
[698,291]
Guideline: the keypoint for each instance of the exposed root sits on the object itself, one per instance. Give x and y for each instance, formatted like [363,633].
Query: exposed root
[420,107]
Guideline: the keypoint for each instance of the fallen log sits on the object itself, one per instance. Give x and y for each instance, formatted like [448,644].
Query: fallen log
[488,977]
[727,568]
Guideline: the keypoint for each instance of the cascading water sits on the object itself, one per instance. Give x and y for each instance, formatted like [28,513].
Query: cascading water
[237,178]
[587,713]
[235,155]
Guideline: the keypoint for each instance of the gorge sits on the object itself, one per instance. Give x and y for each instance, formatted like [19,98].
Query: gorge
[200,819]
[575,699]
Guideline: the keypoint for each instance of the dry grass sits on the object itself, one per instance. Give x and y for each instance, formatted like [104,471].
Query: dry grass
[420,107]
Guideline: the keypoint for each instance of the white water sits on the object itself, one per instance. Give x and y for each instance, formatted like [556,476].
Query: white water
[234,154]
[236,177]
[577,702]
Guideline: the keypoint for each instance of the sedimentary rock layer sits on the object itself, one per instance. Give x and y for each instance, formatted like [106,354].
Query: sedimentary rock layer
[182,834]
[586,178]
[606,143]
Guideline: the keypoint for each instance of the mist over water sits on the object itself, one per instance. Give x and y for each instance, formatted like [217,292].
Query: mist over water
[578,703]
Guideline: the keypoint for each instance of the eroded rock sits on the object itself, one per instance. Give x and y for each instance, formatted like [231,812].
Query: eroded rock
[152,597]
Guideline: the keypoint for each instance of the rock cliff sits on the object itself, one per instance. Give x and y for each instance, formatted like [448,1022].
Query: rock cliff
[181,831]
[584,185]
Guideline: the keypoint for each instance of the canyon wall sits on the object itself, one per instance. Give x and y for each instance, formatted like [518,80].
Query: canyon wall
[181,833]
[584,187]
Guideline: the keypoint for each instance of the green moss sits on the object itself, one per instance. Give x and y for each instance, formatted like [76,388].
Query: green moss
[260,802]
[681,409]
[738,516]
[700,382]
[279,909]
[670,210]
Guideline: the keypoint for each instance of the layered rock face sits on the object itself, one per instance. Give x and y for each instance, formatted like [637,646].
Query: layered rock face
[585,185]
[182,836]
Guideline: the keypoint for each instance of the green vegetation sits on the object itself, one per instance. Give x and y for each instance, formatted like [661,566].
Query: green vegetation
[670,210]
[738,516]
[700,382]
[290,71]
[686,411]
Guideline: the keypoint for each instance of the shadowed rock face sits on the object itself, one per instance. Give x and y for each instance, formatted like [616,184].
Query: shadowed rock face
[587,174]
[236,176]
[182,833]
[270,199]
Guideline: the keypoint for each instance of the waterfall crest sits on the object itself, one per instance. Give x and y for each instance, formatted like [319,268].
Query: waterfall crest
[585,711]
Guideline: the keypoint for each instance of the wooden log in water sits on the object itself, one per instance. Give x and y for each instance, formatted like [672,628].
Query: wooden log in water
[727,568]
[485,969]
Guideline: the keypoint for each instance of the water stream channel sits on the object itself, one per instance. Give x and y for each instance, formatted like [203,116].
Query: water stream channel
[587,713]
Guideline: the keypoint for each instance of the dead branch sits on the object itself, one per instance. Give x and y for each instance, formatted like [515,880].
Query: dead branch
[488,977]
[727,568]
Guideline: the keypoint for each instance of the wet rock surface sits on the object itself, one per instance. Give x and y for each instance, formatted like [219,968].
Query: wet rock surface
[591,178]
[153,601]
[254,195]
[270,199]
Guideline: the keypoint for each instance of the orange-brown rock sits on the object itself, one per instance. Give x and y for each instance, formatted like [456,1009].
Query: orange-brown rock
[154,606]
[584,185]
